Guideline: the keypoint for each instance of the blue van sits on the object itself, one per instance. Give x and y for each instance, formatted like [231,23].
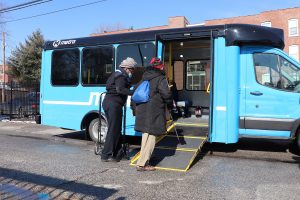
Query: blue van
[254,85]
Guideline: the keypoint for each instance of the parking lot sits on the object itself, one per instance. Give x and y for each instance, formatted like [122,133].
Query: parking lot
[47,162]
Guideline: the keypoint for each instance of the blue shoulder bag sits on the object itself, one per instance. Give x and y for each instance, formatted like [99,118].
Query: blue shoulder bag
[141,94]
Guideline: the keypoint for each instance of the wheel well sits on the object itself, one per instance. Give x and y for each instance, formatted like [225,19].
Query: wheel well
[296,128]
[89,117]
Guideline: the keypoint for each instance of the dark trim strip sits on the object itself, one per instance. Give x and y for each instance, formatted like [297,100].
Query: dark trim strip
[278,124]
[235,34]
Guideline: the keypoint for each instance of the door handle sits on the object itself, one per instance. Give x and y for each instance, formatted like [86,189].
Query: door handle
[256,93]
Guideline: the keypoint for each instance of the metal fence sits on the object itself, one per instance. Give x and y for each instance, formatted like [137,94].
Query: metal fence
[20,101]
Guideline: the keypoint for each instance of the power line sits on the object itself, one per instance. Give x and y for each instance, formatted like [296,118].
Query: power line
[56,11]
[24,5]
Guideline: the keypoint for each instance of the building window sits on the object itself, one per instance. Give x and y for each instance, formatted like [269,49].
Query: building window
[97,65]
[267,24]
[294,51]
[65,67]
[293,27]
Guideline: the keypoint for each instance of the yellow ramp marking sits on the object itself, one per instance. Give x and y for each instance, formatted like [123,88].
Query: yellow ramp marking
[192,125]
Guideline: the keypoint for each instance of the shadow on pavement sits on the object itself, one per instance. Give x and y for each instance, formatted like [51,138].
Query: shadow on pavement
[77,135]
[81,135]
[297,159]
[15,184]
[251,144]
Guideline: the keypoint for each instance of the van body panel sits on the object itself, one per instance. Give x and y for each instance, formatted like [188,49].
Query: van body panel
[266,110]
[225,120]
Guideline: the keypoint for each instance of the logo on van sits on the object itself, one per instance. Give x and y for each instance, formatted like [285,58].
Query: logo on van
[63,42]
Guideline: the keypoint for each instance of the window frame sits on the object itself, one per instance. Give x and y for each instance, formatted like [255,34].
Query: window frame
[81,64]
[135,43]
[185,74]
[289,27]
[294,45]
[79,67]
[268,23]
[279,68]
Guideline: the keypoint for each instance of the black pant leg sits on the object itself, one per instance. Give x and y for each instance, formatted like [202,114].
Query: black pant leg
[114,118]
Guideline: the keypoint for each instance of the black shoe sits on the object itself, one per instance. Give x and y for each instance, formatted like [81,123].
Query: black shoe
[109,159]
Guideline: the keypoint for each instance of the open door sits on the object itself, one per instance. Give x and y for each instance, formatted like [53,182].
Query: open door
[187,63]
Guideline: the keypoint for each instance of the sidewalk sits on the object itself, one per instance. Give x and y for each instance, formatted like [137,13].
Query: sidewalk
[5,118]
[31,129]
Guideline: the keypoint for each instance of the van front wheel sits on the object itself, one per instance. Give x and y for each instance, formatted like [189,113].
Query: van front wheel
[93,130]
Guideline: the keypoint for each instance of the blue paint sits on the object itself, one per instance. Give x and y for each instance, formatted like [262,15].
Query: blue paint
[265,133]
[273,103]
[233,79]
[226,93]
[62,112]
[159,50]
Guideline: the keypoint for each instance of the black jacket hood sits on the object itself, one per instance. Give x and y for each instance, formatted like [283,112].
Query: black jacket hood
[152,72]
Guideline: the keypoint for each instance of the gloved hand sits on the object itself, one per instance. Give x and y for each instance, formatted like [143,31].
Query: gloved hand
[169,106]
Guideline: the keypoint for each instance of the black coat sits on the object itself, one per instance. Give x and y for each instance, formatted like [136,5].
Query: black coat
[117,87]
[151,116]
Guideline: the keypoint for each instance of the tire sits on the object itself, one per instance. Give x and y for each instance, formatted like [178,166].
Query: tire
[93,130]
[295,147]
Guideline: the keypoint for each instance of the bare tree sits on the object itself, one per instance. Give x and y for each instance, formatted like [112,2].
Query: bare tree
[109,28]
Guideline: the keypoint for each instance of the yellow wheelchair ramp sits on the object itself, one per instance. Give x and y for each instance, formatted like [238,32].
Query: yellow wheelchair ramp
[177,151]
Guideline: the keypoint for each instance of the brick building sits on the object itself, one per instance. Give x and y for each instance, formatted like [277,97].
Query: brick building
[286,19]
[7,78]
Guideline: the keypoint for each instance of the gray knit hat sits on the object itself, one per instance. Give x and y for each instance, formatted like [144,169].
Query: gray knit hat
[128,62]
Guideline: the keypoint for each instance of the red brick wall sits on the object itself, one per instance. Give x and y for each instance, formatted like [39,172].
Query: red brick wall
[278,18]
[7,78]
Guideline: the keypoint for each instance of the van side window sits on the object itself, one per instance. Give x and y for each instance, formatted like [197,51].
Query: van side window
[140,52]
[274,71]
[65,67]
[97,65]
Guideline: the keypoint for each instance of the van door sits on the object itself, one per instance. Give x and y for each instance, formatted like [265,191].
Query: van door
[272,92]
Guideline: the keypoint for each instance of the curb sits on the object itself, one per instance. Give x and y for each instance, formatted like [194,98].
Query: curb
[19,121]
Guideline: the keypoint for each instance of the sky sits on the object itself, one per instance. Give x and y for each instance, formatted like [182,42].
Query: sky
[82,21]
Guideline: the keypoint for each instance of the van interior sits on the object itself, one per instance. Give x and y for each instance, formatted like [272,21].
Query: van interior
[188,67]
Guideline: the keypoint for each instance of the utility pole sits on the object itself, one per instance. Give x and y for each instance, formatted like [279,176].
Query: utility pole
[3,66]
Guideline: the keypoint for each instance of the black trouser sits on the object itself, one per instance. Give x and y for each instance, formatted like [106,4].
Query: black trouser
[113,112]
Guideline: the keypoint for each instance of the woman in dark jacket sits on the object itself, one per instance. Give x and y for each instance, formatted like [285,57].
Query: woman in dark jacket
[151,116]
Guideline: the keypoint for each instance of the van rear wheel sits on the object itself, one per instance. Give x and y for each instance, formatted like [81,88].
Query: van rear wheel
[93,129]
[295,147]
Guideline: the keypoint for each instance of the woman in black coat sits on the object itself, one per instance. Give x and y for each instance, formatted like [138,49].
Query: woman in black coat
[151,116]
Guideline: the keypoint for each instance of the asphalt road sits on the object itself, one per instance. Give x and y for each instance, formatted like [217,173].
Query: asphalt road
[40,162]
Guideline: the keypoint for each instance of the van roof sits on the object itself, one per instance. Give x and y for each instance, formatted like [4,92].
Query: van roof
[235,34]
